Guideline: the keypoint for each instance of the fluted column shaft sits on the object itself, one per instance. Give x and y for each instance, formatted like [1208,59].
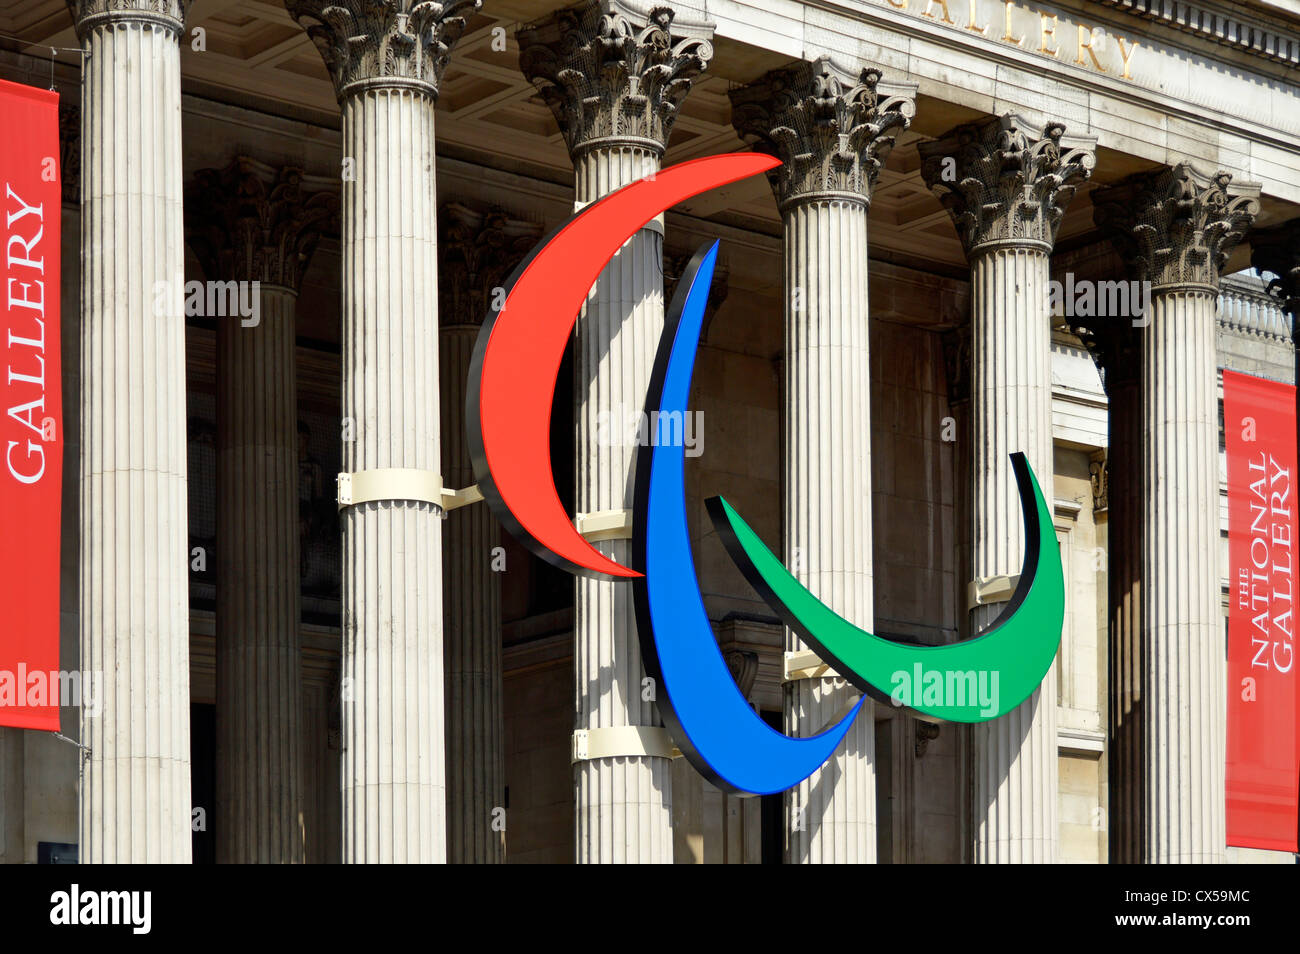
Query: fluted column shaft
[827,508]
[1007,185]
[472,594]
[833,130]
[1176,227]
[1124,523]
[1183,673]
[259,681]
[393,803]
[614,83]
[1015,757]
[250,224]
[624,804]
[135,785]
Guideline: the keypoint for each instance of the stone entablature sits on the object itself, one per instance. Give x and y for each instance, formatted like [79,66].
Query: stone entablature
[1230,29]
[1231,112]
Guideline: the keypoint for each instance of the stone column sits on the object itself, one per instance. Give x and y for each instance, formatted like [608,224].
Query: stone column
[615,84]
[1117,344]
[251,224]
[833,130]
[1177,228]
[386,58]
[1006,185]
[1114,339]
[135,786]
[477,252]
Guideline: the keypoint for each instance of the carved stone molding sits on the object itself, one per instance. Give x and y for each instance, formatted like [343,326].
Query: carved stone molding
[250,222]
[1006,183]
[1177,226]
[168,14]
[1099,476]
[384,43]
[477,251]
[926,732]
[1275,252]
[1232,28]
[832,130]
[743,665]
[610,79]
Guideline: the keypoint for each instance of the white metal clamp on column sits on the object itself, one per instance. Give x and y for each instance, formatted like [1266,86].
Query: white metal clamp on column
[604,525]
[805,664]
[610,742]
[991,589]
[401,483]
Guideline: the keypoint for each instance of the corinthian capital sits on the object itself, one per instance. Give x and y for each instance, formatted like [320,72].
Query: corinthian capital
[477,251]
[611,79]
[1276,252]
[367,43]
[169,14]
[250,222]
[1004,182]
[831,130]
[1177,226]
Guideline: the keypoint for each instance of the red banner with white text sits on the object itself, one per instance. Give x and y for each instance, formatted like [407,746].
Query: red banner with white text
[1263,774]
[31,427]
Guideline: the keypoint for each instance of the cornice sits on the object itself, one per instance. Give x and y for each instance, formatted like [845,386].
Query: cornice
[1209,22]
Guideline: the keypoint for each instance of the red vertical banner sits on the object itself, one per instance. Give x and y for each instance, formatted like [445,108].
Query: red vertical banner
[1263,772]
[31,425]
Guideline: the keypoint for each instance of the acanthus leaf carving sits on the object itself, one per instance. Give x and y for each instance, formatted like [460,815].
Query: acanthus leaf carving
[1177,226]
[477,251]
[384,43]
[1003,182]
[831,130]
[169,14]
[249,222]
[609,79]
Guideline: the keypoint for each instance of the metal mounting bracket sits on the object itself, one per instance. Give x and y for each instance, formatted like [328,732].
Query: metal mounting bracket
[390,483]
[990,589]
[632,741]
[605,525]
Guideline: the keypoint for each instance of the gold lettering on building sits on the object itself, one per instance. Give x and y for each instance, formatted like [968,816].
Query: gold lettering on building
[943,5]
[972,25]
[1127,56]
[1048,32]
[1007,36]
[1085,43]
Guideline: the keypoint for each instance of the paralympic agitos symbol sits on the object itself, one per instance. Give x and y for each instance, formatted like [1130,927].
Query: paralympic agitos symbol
[511,388]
